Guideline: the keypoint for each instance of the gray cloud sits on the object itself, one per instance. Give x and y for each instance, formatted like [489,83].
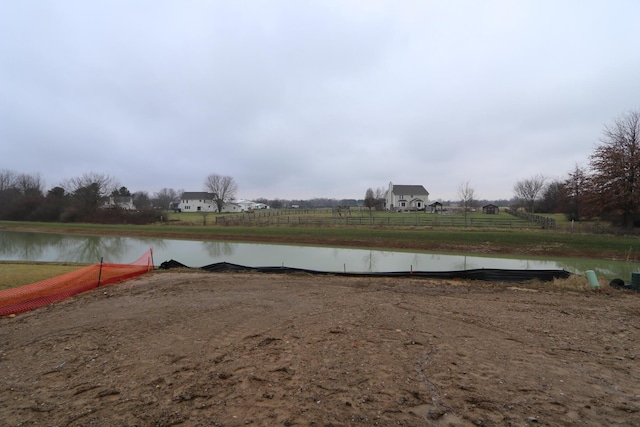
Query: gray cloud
[313,99]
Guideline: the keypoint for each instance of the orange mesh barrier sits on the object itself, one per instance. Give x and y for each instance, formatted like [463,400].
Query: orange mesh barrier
[28,297]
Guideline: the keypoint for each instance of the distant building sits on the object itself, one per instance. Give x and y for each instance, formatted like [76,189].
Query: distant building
[490,209]
[249,205]
[406,198]
[122,202]
[201,201]
[197,201]
[436,207]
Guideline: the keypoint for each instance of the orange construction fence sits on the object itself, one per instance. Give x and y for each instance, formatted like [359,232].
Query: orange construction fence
[33,295]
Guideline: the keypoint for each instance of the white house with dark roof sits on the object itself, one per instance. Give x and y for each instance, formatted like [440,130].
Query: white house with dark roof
[197,201]
[406,198]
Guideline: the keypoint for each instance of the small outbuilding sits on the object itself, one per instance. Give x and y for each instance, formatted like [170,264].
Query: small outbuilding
[490,209]
[436,207]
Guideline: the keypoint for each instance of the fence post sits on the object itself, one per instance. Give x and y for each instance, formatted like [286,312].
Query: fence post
[100,272]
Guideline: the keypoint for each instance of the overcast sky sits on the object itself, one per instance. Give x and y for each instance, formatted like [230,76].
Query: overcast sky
[302,99]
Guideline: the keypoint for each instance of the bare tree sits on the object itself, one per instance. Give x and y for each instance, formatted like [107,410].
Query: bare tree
[87,190]
[576,191]
[29,185]
[7,179]
[204,214]
[141,199]
[380,198]
[223,188]
[551,197]
[616,168]
[15,188]
[369,199]
[23,184]
[13,184]
[165,197]
[528,190]
[466,193]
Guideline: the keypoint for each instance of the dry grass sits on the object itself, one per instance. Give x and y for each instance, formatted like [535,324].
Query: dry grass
[574,283]
[18,274]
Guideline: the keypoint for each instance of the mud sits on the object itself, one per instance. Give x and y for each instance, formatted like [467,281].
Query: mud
[206,349]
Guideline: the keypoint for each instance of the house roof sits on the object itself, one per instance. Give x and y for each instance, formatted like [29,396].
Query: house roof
[413,190]
[197,195]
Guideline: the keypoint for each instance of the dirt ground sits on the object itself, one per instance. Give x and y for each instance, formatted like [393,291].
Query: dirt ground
[207,349]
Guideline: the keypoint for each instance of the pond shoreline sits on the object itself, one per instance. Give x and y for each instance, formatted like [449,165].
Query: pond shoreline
[454,245]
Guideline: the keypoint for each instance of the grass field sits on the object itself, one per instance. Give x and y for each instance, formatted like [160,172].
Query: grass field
[18,274]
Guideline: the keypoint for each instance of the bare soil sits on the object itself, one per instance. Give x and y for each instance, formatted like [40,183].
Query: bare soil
[206,349]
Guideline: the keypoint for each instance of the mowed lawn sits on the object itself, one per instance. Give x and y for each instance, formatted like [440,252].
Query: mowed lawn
[18,274]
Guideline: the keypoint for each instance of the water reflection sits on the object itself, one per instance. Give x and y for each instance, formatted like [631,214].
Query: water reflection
[90,248]
[20,245]
[218,249]
[26,246]
[371,260]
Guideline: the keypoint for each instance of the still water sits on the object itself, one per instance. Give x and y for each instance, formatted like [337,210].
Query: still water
[25,246]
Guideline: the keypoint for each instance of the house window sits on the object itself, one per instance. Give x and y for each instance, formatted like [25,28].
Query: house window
[199,207]
[403,204]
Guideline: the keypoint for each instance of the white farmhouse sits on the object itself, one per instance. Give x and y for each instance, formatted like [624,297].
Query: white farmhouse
[406,198]
[122,202]
[197,201]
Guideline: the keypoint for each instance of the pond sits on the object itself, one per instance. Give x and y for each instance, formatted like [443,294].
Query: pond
[27,246]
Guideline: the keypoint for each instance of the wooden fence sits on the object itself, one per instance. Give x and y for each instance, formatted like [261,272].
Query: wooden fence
[398,220]
[543,221]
